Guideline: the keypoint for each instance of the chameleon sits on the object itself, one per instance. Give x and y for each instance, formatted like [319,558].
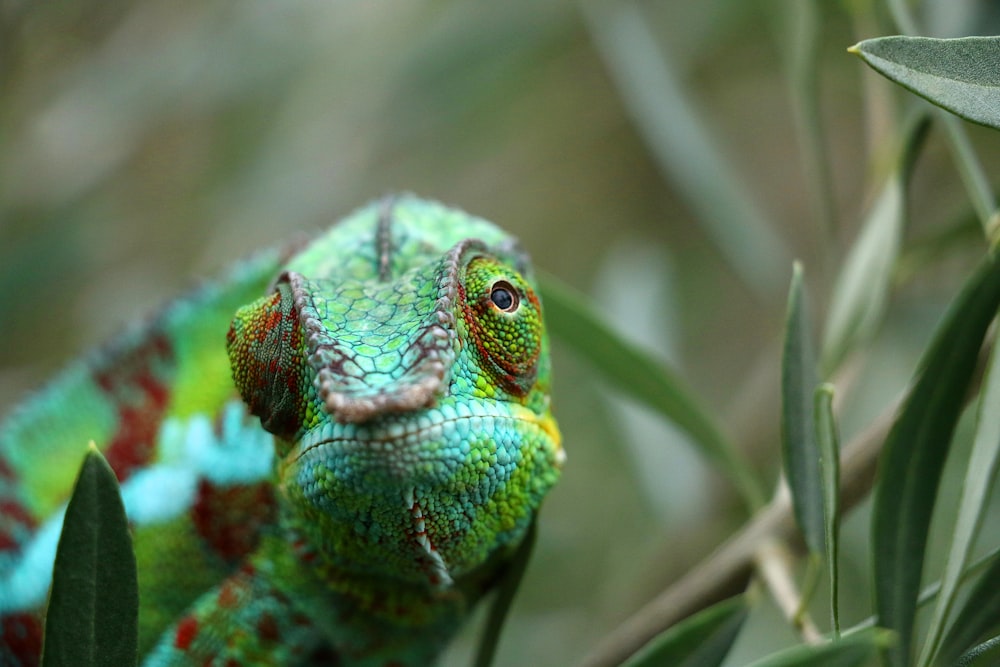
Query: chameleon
[327,455]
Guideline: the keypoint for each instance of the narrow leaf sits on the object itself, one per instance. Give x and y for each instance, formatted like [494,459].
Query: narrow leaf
[829,453]
[641,376]
[862,287]
[800,455]
[960,75]
[980,614]
[92,619]
[850,651]
[986,654]
[976,484]
[703,640]
[505,597]
[914,454]
[682,145]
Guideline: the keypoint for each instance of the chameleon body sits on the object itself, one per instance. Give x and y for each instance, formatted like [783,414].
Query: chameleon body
[326,456]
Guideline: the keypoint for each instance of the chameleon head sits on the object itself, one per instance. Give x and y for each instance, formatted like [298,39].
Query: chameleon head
[409,399]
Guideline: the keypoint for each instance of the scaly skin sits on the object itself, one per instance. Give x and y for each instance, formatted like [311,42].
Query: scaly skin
[399,368]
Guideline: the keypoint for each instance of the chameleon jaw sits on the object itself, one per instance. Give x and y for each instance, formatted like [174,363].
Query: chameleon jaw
[438,573]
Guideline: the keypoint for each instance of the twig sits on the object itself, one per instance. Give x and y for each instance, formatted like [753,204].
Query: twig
[773,563]
[727,571]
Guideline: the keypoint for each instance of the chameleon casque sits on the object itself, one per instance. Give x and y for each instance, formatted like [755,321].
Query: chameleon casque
[326,456]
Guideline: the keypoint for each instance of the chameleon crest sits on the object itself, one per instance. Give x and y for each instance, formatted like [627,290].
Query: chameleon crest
[340,448]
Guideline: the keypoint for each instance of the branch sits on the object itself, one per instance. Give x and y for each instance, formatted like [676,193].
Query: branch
[727,571]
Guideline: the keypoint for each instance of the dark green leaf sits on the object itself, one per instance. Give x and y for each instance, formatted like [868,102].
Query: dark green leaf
[978,617]
[505,597]
[976,485]
[639,375]
[92,619]
[850,651]
[829,452]
[986,654]
[961,75]
[800,453]
[914,455]
[702,640]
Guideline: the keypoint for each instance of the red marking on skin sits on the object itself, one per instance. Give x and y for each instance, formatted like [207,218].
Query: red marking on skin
[230,518]
[137,384]
[5,470]
[21,639]
[16,513]
[187,630]
[267,628]
[228,596]
[13,515]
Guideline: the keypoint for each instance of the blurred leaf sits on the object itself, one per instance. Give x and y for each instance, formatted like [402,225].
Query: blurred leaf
[800,455]
[862,287]
[829,454]
[914,454]
[979,616]
[986,654]
[642,377]
[682,146]
[505,593]
[961,75]
[850,651]
[982,467]
[703,640]
[92,619]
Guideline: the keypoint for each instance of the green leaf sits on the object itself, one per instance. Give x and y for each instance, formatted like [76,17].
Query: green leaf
[986,654]
[862,287]
[682,145]
[641,376]
[960,75]
[92,619]
[505,597]
[851,651]
[829,453]
[800,454]
[978,617]
[982,467]
[914,455]
[703,640]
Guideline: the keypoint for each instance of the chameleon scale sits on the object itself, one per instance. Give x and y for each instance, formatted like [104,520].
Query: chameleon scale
[326,456]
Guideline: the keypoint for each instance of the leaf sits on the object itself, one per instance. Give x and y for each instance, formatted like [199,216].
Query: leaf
[985,655]
[92,619]
[639,375]
[505,593]
[961,75]
[982,467]
[829,453]
[914,454]
[862,287]
[680,142]
[851,651]
[800,454]
[703,640]
[979,616]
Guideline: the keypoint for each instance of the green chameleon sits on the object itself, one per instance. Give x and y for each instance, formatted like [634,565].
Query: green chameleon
[336,480]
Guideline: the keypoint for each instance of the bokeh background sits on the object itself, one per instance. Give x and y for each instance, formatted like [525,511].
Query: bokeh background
[652,155]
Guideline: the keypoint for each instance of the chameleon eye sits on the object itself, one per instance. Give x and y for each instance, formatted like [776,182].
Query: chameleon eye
[505,297]
[504,320]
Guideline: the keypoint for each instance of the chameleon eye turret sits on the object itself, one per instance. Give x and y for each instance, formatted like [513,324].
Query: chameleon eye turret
[338,446]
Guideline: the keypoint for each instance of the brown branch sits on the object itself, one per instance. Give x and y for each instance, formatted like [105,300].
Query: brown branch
[728,570]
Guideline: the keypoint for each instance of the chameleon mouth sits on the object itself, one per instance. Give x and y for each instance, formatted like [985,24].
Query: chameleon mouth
[453,428]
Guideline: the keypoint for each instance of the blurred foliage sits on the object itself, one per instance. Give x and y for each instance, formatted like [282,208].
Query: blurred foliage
[145,144]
